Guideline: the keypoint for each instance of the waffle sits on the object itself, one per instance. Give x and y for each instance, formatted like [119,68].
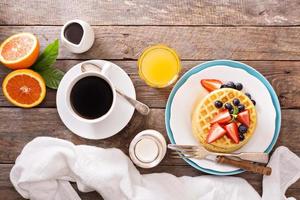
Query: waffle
[205,111]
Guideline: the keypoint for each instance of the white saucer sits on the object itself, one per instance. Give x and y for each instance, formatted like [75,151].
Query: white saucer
[111,125]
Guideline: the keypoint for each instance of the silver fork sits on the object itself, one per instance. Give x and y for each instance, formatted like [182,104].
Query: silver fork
[199,152]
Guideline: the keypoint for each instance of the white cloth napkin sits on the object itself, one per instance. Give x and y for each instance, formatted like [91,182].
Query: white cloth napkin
[46,165]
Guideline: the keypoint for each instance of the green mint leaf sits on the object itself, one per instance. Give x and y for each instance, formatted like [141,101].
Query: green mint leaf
[234,114]
[44,65]
[52,76]
[235,110]
[48,57]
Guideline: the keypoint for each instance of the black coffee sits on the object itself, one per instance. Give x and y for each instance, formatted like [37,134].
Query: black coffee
[73,33]
[91,97]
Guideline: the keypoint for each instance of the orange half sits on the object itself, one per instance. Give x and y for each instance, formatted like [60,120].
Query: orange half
[19,51]
[24,88]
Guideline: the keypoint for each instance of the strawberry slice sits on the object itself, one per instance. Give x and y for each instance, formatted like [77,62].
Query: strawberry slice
[232,132]
[244,118]
[222,117]
[215,132]
[211,84]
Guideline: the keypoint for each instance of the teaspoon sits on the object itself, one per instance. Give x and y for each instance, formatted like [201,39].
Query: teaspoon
[139,106]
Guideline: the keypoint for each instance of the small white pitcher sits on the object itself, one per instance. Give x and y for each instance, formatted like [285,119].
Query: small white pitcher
[87,39]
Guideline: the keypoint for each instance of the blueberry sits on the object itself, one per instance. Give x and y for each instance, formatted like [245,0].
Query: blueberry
[223,86]
[236,102]
[241,107]
[218,104]
[253,101]
[231,111]
[228,106]
[248,95]
[242,137]
[238,86]
[230,84]
[242,129]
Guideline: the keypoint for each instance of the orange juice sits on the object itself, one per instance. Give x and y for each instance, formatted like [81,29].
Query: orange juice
[159,66]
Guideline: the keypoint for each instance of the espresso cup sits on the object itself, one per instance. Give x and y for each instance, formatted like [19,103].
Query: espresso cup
[91,95]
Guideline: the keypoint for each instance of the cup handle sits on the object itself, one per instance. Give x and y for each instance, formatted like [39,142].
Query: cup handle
[97,68]
[105,68]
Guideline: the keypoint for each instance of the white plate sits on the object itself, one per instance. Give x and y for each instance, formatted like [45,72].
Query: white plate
[185,96]
[111,125]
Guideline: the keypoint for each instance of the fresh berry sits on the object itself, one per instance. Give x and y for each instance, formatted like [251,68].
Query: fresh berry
[231,111]
[228,106]
[236,102]
[238,86]
[211,84]
[242,129]
[222,117]
[248,95]
[230,84]
[223,86]
[218,104]
[232,132]
[244,118]
[215,132]
[241,137]
[253,101]
[241,107]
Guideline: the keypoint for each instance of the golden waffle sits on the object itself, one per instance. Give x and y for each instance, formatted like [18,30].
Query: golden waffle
[205,111]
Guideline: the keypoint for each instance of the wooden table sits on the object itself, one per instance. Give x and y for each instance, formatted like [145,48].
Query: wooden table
[263,34]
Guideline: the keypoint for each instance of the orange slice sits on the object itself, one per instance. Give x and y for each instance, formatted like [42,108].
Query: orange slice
[24,88]
[19,51]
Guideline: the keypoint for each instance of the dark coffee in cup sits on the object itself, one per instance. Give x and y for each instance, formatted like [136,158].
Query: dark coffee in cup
[91,97]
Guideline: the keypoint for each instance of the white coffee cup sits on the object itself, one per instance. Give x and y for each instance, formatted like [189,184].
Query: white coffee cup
[102,73]
[87,39]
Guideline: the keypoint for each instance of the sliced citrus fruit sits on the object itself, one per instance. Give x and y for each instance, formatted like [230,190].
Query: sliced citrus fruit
[19,51]
[24,88]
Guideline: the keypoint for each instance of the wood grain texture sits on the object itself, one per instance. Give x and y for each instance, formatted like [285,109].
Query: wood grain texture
[161,12]
[283,75]
[19,126]
[263,34]
[191,43]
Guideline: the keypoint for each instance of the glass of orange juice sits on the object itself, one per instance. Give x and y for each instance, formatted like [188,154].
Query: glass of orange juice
[159,66]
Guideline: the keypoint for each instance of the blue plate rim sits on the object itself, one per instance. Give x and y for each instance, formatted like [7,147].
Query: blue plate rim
[233,64]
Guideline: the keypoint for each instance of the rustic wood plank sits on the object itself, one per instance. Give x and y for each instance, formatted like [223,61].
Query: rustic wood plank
[255,180]
[283,75]
[192,43]
[19,126]
[161,12]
